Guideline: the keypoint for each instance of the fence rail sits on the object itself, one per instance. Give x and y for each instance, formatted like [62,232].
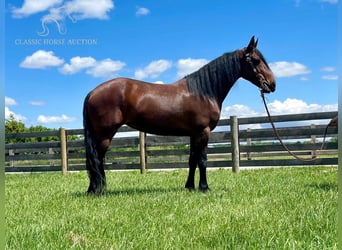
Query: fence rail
[250,147]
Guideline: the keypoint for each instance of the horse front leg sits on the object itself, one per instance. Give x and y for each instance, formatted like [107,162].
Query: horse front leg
[193,159]
[202,159]
[202,164]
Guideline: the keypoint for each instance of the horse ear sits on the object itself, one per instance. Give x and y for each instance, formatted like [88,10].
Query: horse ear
[252,45]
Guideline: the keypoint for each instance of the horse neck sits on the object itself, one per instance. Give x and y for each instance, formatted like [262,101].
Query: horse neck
[231,73]
[215,79]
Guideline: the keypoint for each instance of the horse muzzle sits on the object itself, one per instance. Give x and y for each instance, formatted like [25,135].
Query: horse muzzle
[266,87]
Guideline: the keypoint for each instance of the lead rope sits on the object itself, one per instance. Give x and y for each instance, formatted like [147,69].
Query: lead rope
[313,158]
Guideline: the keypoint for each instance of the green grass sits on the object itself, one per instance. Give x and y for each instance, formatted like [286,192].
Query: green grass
[287,208]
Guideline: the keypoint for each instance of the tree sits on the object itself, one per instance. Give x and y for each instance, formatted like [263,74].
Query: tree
[13,126]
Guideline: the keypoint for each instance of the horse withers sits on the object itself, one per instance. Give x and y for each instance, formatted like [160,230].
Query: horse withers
[190,107]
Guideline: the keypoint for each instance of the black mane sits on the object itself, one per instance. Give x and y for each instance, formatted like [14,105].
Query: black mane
[215,79]
[262,58]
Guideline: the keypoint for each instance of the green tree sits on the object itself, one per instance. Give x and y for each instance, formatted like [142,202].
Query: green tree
[13,126]
[40,128]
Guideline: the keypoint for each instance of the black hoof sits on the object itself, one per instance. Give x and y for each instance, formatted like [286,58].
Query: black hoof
[190,186]
[190,189]
[95,191]
[204,189]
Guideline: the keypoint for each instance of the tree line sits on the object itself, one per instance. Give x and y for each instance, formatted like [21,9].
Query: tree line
[12,125]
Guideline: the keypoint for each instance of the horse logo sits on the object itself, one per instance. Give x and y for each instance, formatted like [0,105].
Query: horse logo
[56,16]
[58,12]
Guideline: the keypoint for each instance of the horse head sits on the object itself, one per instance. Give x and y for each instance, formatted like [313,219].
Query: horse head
[255,69]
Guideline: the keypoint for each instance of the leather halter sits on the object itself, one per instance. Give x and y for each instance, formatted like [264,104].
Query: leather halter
[263,84]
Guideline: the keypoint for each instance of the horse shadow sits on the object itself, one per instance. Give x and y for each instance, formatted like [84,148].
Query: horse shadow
[129,192]
[325,186]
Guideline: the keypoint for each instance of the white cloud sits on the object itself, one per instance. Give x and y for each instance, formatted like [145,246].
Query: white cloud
[288,69]
[142,11]
[330,77]
[106,68]
[30,7]
[41,59]
[10,101]
[55,119]
[77,64]
[189,65]
[153,70]
[83,9]
[297,106]
[75,9]
[288,106]
[241,110]
[238,110]
[297,2]
[8,113]
[328,69]
[17,117]
[37,103]
[330,1]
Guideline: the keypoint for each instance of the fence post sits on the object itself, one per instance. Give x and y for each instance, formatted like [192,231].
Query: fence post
[234,131]
[64,160]
[11,153]
[142,146]
[313,141]
[52,161]
[249,143]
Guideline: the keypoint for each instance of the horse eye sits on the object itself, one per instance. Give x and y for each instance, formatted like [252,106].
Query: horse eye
[256,61]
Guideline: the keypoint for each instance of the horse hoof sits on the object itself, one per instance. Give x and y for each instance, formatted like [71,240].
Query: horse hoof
[190,189]
[204,189]
[190,186]
[97,191]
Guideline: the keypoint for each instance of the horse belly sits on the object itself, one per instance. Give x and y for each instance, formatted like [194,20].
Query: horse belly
[154,122]
[170,119]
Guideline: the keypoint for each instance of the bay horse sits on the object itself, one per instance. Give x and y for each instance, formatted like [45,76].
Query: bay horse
[190,107]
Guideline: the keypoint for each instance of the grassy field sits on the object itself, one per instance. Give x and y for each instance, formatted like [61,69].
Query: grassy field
[287,208]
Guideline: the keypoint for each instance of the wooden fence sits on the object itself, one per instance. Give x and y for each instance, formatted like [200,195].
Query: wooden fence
[236,142]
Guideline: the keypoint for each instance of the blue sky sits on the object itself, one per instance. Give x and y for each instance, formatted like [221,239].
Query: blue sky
[59,50]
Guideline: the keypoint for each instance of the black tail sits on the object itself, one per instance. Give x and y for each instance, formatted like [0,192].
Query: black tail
[88,141]
[93,163]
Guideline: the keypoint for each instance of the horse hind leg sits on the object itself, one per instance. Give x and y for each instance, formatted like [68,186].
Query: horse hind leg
[95,153]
